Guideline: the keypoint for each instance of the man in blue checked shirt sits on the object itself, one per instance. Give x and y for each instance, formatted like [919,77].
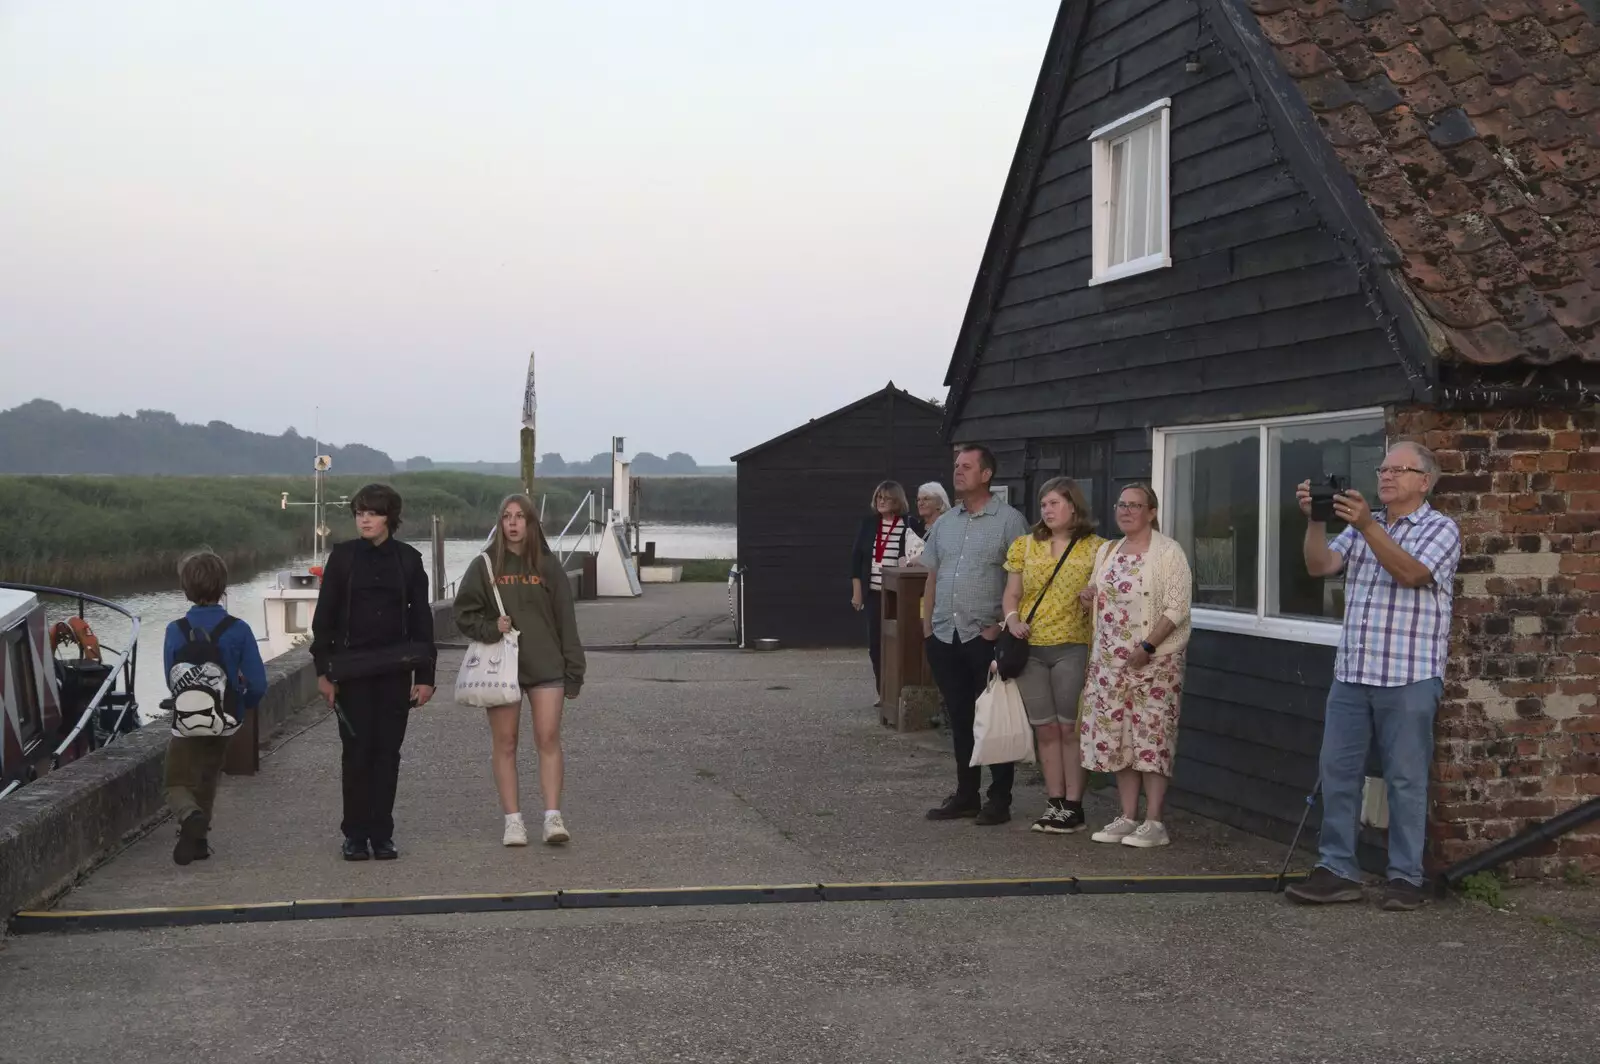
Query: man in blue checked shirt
[1400,566]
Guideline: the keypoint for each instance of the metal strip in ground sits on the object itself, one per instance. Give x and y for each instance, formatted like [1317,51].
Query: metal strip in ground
[24,923]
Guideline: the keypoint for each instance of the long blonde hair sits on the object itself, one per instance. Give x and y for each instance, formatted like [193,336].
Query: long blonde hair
[536,547]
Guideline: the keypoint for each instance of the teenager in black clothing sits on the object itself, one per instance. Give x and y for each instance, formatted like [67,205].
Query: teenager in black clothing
[374,597]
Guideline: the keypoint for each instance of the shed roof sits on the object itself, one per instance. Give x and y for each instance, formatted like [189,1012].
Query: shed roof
[889,391]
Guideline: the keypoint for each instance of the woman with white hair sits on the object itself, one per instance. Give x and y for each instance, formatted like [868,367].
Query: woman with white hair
[932,502]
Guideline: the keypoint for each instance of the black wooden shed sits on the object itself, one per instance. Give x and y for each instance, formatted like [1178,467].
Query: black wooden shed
[801,496]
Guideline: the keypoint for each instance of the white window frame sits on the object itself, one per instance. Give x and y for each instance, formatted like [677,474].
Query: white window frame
[1100,148]
[1258,622]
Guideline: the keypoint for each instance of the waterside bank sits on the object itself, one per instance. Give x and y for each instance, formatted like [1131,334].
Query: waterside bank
[111,533]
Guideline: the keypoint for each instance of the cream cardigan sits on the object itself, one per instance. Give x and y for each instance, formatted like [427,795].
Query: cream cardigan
[1167,591]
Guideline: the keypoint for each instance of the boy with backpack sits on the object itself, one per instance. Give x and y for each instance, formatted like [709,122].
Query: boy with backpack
[214,670]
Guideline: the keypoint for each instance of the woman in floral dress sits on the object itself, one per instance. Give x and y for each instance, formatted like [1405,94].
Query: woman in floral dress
[1129,725]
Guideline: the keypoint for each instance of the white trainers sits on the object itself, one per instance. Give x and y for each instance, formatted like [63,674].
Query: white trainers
[555,830]
[1148,836]
[1115,831]
[516,832]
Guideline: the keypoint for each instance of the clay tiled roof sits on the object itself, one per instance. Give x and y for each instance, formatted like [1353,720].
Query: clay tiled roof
[1472,128]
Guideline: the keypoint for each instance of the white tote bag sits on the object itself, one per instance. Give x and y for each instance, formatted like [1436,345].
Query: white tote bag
[1000,730]
[488,675]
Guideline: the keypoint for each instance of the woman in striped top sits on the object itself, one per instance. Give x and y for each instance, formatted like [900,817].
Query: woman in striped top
[880,541]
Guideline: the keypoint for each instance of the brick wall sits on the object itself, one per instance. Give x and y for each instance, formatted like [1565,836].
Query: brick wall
[1519,727]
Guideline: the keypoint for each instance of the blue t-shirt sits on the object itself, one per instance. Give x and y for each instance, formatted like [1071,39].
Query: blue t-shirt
[246,671]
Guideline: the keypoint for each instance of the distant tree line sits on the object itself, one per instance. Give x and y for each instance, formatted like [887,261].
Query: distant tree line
[643,464]
[42,437]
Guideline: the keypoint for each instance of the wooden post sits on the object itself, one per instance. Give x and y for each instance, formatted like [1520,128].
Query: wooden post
[528,456]
[905,664]
[438,558]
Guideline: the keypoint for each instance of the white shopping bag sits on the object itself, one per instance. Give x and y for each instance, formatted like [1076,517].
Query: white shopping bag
[488,674]
[1000,729]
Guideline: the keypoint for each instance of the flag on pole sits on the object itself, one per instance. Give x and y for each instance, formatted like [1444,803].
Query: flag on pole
[530,405]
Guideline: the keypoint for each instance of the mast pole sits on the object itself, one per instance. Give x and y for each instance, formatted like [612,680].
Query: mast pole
[530,411]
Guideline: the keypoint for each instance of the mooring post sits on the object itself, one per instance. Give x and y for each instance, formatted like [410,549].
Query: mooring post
[438,558]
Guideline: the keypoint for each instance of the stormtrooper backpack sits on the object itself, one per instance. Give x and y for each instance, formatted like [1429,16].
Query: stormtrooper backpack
[202,697]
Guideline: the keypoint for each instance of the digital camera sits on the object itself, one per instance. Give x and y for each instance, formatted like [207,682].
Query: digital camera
[1322,496]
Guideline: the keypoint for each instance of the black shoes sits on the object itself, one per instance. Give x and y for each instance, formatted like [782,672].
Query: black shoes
[383,850]
[1061,819]
[993,813]
[1324,887]
[356,850]
[191,844]
[1402,897]
[955,807]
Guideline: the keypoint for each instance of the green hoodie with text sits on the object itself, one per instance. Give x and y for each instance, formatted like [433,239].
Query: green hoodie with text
[539,602]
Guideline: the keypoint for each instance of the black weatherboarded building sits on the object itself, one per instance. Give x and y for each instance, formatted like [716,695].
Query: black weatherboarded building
[1244,243]
[801,496]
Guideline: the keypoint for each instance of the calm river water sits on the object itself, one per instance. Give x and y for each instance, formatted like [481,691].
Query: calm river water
[157,608]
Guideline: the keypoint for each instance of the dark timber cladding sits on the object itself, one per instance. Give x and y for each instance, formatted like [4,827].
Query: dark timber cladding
[801,497]
[1264,312]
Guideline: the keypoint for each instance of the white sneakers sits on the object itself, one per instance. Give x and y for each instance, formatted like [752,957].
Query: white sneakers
[1145,836]
[1115,831]
[555,829]
[1148,835]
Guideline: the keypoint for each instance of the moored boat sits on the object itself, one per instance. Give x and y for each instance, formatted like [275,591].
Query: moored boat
[54,706]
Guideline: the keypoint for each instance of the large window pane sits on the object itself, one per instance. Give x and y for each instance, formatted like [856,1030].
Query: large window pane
[1118,214]
[1213,483]
[1138,194]
[1350,449]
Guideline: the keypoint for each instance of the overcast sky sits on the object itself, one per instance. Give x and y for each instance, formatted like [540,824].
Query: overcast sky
[713,219]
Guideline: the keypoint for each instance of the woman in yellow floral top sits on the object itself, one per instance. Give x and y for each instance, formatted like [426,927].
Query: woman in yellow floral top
[1058,638]
[1140,591]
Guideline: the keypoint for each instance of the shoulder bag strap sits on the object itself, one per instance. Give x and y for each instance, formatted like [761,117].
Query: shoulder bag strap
[1064,556]
[488,568]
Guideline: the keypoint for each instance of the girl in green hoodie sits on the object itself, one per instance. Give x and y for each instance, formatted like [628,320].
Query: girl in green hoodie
[550,659]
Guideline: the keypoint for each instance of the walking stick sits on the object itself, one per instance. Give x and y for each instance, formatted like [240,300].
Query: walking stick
[1311,800]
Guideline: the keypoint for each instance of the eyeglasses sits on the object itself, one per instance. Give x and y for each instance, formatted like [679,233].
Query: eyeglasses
[1396,470]
[1125,506]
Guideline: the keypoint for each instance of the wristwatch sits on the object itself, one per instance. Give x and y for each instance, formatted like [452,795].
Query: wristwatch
[1144,645]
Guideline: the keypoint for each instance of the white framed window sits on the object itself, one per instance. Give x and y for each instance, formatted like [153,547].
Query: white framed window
[1132,195]
[1227,494]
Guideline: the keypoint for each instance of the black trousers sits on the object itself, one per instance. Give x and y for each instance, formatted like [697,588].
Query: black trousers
[874,612]
[962,672]
[373,714]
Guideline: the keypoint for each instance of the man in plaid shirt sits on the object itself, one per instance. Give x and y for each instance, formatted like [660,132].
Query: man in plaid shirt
[1400,565]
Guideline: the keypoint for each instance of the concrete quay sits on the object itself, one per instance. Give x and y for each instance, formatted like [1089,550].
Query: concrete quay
[698,767]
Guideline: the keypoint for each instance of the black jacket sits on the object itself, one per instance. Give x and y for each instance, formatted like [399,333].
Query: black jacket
[372,597]
[867,541]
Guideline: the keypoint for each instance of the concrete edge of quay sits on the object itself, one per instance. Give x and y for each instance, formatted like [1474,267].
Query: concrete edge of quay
[64,824]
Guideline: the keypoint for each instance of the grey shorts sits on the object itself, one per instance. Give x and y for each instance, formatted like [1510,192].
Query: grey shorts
[548,685]
[1052,683]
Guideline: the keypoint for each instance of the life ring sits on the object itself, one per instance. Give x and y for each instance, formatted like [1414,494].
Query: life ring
[75,630]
